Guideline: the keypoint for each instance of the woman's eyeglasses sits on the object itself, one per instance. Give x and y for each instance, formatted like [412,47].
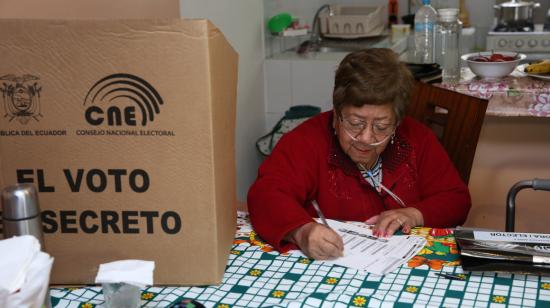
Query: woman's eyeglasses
[357,127]
[354,128]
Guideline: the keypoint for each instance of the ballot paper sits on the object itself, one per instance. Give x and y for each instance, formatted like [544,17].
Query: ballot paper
[363,251]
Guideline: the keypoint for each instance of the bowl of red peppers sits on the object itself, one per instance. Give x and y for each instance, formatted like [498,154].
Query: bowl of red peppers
[493,64]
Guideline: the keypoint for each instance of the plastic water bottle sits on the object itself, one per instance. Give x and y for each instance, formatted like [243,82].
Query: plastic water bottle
[424,22]
[448,44]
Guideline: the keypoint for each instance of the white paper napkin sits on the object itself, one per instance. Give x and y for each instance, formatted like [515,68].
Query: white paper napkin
[24,272]
[135,272]
[16,255]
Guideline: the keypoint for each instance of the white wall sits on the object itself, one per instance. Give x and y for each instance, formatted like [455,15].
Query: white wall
[242,23]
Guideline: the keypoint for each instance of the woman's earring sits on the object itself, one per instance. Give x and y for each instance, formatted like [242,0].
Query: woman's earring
[391,139]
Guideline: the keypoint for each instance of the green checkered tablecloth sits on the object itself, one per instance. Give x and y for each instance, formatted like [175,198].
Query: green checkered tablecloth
[257,276]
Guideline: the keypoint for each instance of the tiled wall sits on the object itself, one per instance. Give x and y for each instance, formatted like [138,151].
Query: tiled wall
[292,82]
[481,14]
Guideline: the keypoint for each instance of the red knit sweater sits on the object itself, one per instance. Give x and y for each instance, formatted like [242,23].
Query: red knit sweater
[308,164]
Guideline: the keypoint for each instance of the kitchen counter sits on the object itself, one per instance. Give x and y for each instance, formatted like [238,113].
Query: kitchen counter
[397,44]
[513,95]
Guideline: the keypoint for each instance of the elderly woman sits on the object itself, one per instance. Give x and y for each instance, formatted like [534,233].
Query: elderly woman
[363,161]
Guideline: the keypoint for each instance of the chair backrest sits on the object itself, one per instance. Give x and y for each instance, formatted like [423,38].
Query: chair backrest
[455,118]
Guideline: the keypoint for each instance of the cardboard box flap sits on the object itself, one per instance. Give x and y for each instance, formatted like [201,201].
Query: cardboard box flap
[86,9]
[125,29]
[223,61]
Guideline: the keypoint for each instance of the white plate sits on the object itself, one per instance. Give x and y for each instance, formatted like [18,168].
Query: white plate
[522,67]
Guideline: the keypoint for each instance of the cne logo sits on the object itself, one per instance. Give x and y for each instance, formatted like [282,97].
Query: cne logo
[21,96]
[122,99]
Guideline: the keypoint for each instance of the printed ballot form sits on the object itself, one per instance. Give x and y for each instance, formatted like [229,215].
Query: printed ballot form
[364,251]
[514,237]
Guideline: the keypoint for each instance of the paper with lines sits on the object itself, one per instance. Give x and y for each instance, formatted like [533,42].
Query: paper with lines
[380,256]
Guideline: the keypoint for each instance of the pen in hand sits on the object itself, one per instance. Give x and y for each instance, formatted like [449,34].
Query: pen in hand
[338,244]
[319,213]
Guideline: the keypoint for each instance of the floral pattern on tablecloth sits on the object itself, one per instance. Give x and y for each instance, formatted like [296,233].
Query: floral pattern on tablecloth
[514,95]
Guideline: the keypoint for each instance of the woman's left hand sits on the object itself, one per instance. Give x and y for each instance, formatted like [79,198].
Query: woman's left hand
[390,221]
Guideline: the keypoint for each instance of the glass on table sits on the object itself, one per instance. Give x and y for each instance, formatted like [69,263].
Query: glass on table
[121,295]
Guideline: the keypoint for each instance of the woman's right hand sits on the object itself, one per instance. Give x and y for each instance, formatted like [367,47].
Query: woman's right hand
[317,241]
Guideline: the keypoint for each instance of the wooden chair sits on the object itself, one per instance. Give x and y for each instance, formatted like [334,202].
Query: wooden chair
[455,118]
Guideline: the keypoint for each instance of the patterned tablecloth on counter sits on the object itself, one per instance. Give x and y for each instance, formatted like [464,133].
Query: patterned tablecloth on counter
[514,95]
[258,276]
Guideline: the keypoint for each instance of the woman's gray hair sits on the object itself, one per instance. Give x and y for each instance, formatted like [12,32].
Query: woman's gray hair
[372,77]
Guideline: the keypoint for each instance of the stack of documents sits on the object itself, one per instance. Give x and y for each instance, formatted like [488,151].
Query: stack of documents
[526,253]
[380,256]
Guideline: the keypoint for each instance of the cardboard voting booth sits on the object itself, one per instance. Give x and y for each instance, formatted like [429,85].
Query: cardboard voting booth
[127,129]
